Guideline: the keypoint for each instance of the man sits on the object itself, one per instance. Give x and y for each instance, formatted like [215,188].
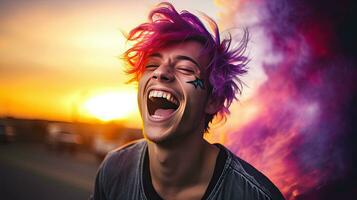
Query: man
[186,76]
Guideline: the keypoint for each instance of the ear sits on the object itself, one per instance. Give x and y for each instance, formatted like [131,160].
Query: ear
[213,105]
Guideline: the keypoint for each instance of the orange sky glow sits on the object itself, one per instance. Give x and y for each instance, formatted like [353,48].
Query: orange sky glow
[60,60]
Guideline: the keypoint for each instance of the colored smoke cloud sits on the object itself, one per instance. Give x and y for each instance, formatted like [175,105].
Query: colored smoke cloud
[302,136]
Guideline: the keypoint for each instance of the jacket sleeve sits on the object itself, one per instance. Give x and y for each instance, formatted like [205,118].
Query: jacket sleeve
[99,186]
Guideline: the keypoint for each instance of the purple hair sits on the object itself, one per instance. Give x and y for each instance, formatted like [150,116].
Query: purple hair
[167,26]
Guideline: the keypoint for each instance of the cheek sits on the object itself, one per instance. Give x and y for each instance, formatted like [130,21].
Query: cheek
[193,89]
[196,97]
[143,81]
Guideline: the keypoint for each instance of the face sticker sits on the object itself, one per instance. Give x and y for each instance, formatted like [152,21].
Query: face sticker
[197,83]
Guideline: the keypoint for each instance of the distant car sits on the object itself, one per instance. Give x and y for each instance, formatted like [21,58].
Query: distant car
[111,139]
[7,134]
[61,137]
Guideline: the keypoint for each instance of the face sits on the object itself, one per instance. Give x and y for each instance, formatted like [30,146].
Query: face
[172,95]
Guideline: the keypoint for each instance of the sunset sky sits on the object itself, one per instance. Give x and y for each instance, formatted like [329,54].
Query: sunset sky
[57,56]
[59,60]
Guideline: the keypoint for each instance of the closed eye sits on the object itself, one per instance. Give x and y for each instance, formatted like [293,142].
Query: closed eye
[151,67]
[186,70]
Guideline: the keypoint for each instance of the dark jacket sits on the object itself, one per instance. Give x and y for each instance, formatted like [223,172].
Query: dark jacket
[120,177]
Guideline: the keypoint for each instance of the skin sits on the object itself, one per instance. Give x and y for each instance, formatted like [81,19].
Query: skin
[181,161]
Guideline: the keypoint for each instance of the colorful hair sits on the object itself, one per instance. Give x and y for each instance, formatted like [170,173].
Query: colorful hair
[167,26]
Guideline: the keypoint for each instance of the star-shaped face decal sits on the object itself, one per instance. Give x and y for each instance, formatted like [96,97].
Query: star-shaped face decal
[197,83]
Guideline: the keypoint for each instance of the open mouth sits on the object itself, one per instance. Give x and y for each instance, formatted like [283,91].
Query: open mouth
[161,104]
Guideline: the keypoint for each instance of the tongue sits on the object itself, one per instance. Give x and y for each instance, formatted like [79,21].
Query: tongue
[163,112]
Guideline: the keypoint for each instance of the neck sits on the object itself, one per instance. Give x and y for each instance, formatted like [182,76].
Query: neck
[175,167]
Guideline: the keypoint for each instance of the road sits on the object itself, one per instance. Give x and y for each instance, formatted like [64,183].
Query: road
[30,171]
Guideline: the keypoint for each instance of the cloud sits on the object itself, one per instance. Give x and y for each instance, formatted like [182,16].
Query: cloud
[299,133]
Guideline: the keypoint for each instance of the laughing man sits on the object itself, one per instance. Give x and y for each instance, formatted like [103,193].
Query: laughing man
[186,77]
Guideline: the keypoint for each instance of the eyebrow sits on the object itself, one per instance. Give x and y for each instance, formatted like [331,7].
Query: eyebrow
[155,55]
[179,57]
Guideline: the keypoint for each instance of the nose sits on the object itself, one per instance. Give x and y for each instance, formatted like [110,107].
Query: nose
[163,73]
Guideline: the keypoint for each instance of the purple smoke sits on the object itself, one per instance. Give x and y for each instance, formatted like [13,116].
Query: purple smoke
[303,136]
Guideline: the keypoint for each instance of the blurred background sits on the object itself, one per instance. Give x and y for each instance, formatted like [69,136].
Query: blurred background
[64,101]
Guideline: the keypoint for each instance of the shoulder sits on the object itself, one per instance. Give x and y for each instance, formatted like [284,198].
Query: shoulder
[123,161]
[124,155]
[242,173]
[133,148]
[120,169]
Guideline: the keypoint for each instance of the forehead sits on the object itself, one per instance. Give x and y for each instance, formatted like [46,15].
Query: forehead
[192,49]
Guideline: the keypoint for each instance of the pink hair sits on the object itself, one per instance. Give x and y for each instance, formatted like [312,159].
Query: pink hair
[167,26]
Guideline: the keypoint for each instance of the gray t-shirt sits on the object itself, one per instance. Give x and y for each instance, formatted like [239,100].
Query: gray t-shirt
[121,176]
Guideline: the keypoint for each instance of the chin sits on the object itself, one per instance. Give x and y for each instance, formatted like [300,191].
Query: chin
[162,110]
[165,129]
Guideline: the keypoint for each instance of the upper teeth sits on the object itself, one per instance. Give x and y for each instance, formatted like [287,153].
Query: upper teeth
[163,94]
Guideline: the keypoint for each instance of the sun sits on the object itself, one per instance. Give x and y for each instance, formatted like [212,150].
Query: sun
[112,105]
